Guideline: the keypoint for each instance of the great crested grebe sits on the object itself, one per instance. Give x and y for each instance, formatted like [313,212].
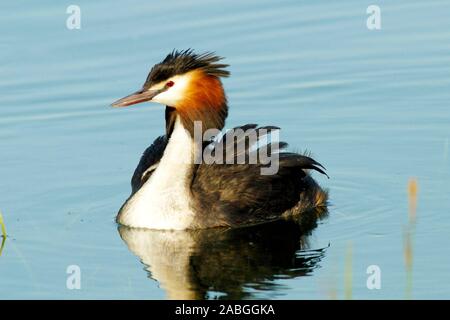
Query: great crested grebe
[170,190]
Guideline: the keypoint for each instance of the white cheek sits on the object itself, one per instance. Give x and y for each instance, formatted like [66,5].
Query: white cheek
[173,95]
[167,98]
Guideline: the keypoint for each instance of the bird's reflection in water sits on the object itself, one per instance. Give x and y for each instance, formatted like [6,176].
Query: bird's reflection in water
[226,263]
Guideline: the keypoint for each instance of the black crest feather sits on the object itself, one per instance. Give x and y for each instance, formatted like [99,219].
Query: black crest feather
[179,62]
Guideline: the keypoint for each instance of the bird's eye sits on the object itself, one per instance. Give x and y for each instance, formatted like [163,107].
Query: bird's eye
[170,84]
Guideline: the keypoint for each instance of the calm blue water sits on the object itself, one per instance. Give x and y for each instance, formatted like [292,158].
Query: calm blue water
[372,106]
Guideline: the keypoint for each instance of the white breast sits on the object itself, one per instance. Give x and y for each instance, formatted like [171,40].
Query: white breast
[164,201]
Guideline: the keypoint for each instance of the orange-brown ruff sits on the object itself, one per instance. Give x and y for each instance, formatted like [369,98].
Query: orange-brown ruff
[170,191]
[204,101]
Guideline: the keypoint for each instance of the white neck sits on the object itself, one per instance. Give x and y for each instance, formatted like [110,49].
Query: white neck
[164,201]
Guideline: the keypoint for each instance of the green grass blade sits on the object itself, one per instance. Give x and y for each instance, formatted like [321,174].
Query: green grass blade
[2,224]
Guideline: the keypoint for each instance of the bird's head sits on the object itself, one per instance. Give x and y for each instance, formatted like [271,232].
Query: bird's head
[188,82]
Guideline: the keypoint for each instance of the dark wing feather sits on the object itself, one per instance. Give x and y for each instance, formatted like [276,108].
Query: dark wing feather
[233,194]
[152,155]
